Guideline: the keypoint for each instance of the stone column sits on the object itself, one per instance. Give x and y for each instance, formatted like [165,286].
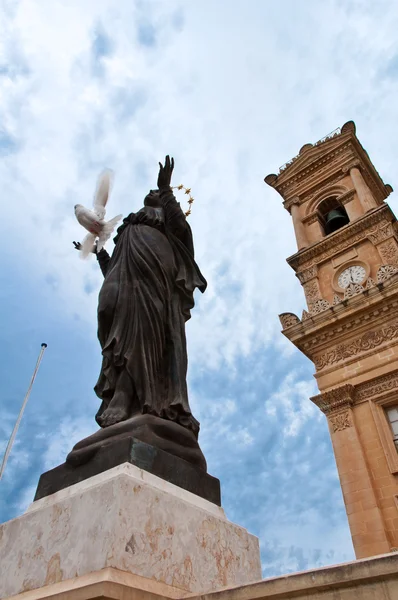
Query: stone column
[364,194]
[352,205]
[366,523]
[299,227]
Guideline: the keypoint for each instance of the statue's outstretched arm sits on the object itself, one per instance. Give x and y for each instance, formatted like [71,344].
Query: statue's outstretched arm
[102,257]
[103,260]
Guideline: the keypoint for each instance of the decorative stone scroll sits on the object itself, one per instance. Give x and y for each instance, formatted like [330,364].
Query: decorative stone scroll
[340,421]
[385,272]
[389,251]
[377,386]
[368,341]
[379,233]
[312,292]
[352,290]
[307,274]
[319,306]
[370,283]
[288,320]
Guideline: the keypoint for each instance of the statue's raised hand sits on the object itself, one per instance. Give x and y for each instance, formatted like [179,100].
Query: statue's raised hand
[165,173]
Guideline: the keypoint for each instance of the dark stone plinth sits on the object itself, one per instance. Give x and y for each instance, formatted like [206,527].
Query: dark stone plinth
[129,449]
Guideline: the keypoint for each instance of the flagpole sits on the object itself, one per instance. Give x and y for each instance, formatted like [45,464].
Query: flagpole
[18,421]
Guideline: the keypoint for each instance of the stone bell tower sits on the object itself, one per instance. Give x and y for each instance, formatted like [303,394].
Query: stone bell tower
[347,263]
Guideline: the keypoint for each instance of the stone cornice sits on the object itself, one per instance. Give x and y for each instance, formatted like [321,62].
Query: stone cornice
[313,167]
[335,400]
[345,396]
[340,240]
[327,332]
[312,182]
[302,173]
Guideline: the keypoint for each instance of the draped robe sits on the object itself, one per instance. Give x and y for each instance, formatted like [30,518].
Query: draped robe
[144,302]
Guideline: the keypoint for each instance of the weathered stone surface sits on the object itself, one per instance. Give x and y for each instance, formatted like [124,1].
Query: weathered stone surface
[130,520]
[119,450]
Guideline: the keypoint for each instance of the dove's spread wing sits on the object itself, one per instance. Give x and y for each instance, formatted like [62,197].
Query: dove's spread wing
[102,192]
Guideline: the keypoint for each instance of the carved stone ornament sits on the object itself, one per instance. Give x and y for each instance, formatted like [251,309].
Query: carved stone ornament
[377,386]
[305,315]
[368,341]
[336,300]
[288,320]
[307,274]
[352,290]
[312,293]
[335,400]
[340,422]
[370,283]
[380,232]
[319,306]
[385,272]
[389,251]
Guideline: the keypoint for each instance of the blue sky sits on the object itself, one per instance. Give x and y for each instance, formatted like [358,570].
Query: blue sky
[232,94]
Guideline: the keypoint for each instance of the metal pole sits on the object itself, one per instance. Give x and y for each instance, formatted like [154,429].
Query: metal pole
[18,421]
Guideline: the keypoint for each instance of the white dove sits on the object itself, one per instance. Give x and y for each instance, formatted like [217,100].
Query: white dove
[93,220]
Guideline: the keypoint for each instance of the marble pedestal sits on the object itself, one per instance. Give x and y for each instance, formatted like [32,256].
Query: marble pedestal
[130,520]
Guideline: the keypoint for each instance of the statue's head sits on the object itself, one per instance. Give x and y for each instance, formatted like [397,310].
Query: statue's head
[153,199]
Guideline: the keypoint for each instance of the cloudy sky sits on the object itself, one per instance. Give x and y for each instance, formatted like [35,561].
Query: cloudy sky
[232,90]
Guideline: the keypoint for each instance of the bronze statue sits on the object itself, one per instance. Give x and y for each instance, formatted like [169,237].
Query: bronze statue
[144,302]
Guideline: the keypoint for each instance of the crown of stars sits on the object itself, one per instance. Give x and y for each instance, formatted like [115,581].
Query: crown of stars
[188,192]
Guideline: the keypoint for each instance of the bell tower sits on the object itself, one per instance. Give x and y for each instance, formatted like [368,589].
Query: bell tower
[347,263]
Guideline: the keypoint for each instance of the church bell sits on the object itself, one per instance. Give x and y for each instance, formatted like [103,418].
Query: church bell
[335,219]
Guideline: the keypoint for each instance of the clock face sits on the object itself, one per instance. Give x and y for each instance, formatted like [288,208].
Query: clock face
[353,274]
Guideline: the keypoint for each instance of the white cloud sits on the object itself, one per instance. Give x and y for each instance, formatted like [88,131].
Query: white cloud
[65,436]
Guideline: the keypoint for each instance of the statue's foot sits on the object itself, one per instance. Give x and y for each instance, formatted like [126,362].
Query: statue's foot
[111,415]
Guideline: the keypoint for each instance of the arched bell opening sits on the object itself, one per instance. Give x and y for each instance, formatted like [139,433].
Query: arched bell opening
[332,215]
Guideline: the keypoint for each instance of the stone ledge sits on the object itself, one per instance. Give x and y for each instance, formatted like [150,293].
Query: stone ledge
[375,578]
[107,583]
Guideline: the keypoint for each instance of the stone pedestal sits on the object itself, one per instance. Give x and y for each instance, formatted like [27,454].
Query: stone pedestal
[133,521]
